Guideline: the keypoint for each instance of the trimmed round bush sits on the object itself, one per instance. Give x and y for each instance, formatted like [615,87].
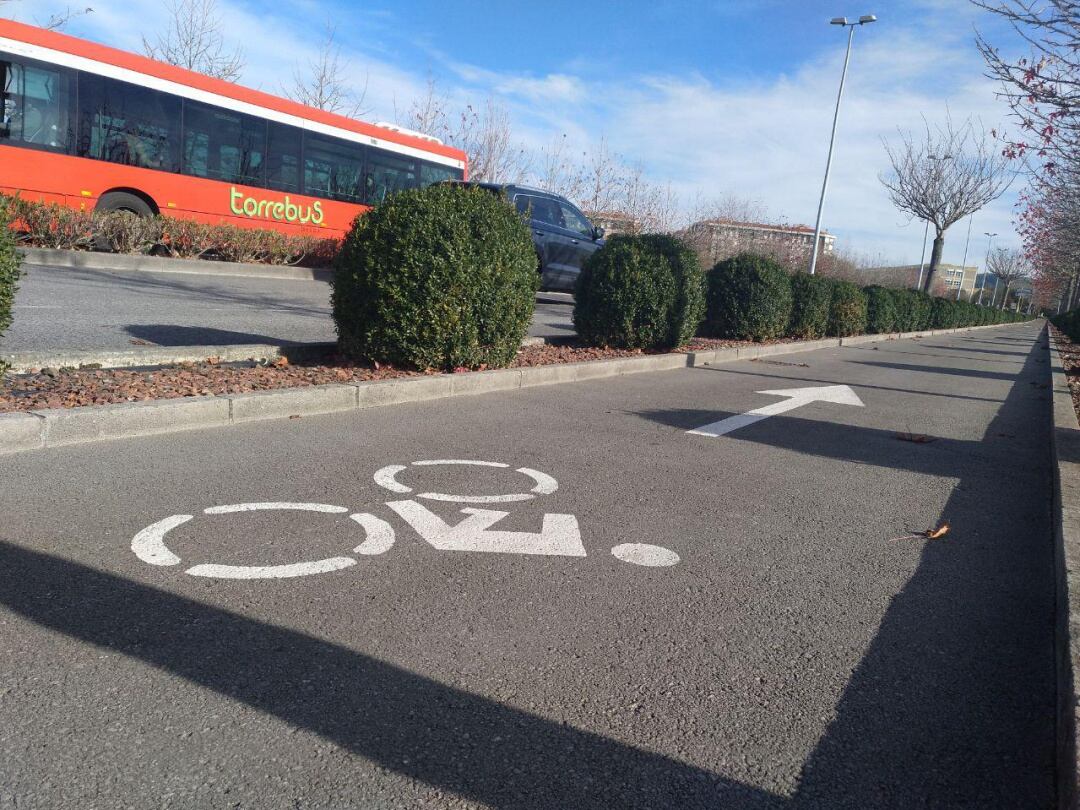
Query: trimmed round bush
[749,298]
[847,312]
[811,299]
[10,271]
[881,312]
[441,277]
[640,292]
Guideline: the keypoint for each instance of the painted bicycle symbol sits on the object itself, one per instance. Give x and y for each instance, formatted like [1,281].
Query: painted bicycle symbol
[560,534]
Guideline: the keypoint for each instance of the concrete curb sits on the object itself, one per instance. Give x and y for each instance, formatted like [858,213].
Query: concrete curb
[23,362]
[1065,439]
[88,260]
[29,430]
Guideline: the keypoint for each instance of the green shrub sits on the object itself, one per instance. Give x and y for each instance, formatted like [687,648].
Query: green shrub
[1069,323]
[847,311]
[811,299]
[441,277]
[943,314]
[749,298]
[881,310]
[9,269]
[640,292]
[912,311]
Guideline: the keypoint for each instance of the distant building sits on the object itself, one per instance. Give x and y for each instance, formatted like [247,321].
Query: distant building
[951,277]
[614,222]
[718,239]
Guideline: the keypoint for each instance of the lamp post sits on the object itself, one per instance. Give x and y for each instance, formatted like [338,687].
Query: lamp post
[986,267]
[963,264]
[926,230]
[841,21]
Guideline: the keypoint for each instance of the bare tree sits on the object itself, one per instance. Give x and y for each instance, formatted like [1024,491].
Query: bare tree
[486,136]
[556,170]
[193,40]
[427,113]
[943,177]
[324,84]
[1009,267]
[54,22]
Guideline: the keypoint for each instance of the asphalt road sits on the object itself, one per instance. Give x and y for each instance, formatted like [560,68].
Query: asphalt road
[63,308]
[797,655]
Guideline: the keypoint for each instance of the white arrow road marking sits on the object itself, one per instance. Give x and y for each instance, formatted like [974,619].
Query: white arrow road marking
[559,536]
[794,398]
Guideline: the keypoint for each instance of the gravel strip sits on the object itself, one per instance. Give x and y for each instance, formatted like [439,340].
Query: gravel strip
[71,388]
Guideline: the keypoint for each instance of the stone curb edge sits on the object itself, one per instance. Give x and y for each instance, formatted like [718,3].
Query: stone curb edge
[1065,441]
[89,260]
[22,362]
[31,430]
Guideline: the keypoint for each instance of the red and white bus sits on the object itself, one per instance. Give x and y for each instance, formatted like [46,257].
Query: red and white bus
[93,127]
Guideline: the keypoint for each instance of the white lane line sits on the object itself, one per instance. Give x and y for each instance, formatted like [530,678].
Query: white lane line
[257,507]
[303,569]
[149,544]
[467,462]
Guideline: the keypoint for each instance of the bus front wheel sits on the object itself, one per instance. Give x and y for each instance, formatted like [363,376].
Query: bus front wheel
[124,201]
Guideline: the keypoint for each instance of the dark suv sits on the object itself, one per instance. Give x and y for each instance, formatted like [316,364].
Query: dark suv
[563,236]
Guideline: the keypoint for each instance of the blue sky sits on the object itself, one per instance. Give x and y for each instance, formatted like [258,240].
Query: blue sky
[717,98]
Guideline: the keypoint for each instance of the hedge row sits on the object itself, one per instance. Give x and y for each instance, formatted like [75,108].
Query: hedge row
[749,297]
[1069,323]
[9,272]
[49,225]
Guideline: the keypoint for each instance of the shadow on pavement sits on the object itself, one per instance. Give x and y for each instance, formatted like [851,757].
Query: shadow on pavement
[445,737]
[952,372]
[167,334]
[952,704]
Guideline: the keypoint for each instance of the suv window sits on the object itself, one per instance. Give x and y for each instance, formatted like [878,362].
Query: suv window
[573,221]
[540,209]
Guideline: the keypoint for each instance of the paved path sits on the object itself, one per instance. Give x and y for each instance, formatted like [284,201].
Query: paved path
[64,308]
[796,656]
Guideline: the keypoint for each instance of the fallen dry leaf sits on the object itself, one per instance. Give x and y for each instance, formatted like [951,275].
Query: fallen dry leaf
[281,362]
[917,438]
[940,531]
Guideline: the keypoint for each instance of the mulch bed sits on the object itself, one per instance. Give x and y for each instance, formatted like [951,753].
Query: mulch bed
[71,388]
[1070,359]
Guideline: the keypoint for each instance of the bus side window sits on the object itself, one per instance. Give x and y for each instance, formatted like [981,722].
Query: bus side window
[432,173]
[223,145]
[36,108]
[283,158]
[333,168]
[388,174]
[125,123]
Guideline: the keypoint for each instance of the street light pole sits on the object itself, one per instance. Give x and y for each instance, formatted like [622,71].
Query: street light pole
[842,21]
[986,266]
[963,264]
[922,256]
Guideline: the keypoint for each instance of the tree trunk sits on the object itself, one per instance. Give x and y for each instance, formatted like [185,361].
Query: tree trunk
[1005,298]
[935,260]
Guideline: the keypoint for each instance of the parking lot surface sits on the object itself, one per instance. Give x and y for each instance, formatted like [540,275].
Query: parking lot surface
[609,612]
